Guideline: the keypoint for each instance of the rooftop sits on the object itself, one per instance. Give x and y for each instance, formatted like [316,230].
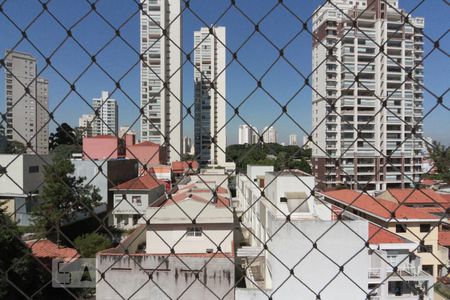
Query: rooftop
[145,182]
[444,238]
[379,208]
[182,166]
[379,235]
[48,249]
[416,196]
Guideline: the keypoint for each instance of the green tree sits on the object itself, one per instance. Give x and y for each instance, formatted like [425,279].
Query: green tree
[440,154]
[64,135]
[91,243]
[15,258]
[187,157]
[291,157]
[15,147]
[63,195]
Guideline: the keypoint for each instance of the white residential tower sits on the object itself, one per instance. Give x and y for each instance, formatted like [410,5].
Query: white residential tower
[210,95]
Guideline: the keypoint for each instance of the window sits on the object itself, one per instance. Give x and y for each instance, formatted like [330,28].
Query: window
[428,269]
[33,169]
[425,227]
[136,200]
[194,231]
[425,249]
[400,228]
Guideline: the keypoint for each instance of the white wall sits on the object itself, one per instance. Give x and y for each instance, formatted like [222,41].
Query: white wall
[127,280]
[255,171]
[127,206]
[276,187]
[170,235]
[339,244]
[19,179]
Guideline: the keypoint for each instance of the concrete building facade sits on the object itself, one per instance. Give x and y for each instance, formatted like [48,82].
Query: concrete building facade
[244,135]
[161,75]
[264,225]
[269,134]
[185,259]
[26,97]
[20,188]
[132,198]
[106,122]
[85,124]
[372,102]
[248,134]
[187,147]
[293,140]
[210,94]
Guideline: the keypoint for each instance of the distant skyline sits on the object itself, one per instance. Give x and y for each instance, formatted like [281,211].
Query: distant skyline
[257,55]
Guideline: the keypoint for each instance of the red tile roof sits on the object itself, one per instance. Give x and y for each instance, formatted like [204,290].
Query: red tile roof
[416,196]
[145,182]
[47,249]
[379,235]
[427,181]
[184,195]
[445,196]
[444,238]
[377,207]
[184,166]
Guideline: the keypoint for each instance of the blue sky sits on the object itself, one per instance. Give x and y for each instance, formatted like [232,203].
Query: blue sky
[257,55]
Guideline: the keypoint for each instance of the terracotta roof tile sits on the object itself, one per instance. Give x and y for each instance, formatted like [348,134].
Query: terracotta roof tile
[145,182]
[415,196]
[184,166]
[444,238]
[48,249]
[379,235]
[377,207]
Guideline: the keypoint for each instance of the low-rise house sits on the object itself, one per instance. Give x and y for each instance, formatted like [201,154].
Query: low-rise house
[183,249]
[133,197]
[45,250]
[284,226]
[375,258]
[185,168]
[414,224]
[105,174]
[418,198]
[21,180]
[395,272]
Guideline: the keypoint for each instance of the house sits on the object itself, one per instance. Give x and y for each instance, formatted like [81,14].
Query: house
[180,168]
[105,174]
[182,249]
[45,250]
[389,251]
[133,197]
[414,224]
[21,181]
[104,147]
[283,226]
